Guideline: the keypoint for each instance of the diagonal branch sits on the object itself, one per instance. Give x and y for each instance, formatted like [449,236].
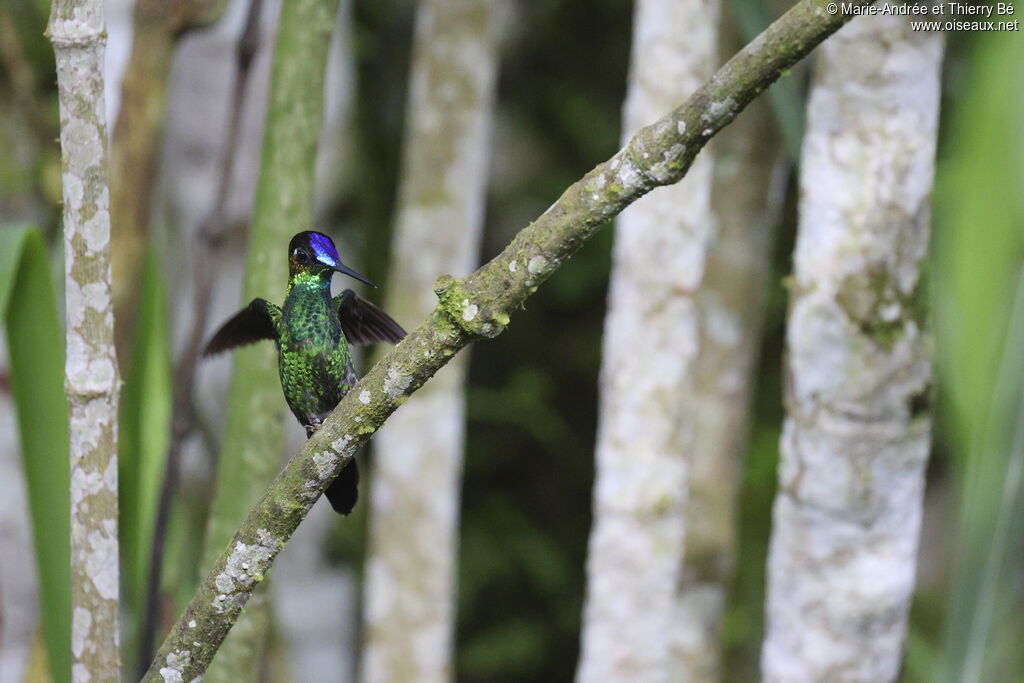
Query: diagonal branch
[474,308]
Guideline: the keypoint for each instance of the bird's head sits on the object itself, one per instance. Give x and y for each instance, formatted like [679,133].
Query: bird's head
[314,254]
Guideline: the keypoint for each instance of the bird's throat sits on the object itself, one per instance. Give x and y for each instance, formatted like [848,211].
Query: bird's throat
[305,282]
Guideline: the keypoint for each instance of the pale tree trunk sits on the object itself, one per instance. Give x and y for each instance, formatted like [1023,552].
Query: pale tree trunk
[650,344]
[749,186]
[856,438]
[410,574]
[78,34]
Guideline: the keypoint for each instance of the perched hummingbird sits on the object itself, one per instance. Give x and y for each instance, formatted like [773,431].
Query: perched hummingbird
[312,332]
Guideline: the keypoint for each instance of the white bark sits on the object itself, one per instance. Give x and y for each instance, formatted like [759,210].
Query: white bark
[856,439]
[650,343]
[410,574]
[78,35]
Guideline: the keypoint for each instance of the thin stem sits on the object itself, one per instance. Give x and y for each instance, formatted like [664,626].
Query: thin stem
[211,236]
[158,27]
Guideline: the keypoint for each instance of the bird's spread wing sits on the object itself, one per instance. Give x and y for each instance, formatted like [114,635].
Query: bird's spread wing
[364,323]
[251,324]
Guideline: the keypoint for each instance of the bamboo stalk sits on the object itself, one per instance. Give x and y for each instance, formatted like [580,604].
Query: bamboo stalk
[210,249]
[749,187]
[78,34]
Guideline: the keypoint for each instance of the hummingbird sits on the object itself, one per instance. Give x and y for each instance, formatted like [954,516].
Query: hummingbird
[312,332]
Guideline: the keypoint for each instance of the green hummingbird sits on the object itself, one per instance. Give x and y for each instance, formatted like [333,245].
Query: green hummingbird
[312,332]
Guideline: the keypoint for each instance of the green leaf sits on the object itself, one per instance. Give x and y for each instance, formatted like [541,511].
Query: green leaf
[35,342]
[143,437]
[979,215]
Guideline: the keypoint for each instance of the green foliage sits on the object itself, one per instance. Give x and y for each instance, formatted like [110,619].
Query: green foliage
[923,660]
[143,438]
[514,647]
[36,346]
[185,535]
[979,215]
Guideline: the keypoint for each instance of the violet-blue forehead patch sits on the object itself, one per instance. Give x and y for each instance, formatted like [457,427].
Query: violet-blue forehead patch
[324,250]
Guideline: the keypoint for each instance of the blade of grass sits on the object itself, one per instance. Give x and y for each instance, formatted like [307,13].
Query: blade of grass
[1004,439]
[144,424]
[978,243]
[35,343]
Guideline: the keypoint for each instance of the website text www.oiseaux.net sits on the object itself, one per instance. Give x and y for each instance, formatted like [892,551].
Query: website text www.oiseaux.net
[941,16]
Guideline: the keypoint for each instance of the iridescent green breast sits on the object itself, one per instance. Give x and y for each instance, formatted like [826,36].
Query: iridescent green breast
[313,357]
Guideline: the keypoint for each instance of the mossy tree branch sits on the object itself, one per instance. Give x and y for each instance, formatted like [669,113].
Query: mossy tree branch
[474,308]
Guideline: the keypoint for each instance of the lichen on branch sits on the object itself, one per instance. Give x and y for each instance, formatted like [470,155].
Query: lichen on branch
[480,306]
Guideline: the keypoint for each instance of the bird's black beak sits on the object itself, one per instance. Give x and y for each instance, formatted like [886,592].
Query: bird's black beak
[342,268]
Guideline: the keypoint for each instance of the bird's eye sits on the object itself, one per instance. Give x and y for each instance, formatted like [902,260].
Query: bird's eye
[301,255]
